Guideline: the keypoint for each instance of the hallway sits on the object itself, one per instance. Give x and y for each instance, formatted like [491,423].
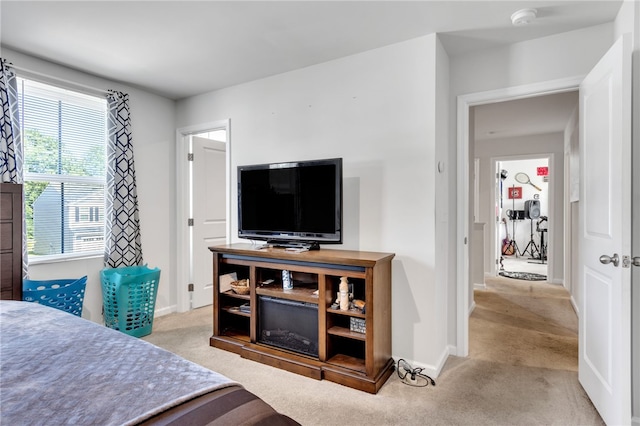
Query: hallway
[524,323]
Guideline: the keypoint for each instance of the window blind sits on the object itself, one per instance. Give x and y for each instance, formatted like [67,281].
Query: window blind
[64,134]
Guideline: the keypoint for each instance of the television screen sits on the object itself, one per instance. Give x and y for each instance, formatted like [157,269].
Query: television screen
[293,202]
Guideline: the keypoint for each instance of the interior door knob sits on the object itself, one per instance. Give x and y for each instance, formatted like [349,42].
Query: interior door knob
[605,260]
[635,261]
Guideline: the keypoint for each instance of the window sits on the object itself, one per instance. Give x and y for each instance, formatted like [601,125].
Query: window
[65,136]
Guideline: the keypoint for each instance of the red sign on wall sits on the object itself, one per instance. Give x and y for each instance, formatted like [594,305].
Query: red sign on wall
[543,171]
[515,192]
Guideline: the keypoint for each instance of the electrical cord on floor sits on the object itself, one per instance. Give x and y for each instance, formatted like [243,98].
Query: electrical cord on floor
[413,376]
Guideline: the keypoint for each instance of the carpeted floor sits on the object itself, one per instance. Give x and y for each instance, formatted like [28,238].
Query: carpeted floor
[522,369]
[524,323]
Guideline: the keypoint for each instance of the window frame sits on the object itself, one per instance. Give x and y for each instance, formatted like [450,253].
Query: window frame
[67,178]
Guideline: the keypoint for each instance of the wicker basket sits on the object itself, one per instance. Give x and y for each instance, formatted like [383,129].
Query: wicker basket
[359,325]
[240,287]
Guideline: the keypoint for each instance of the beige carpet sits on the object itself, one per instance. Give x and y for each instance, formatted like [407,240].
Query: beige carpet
[524,323]
[521,369]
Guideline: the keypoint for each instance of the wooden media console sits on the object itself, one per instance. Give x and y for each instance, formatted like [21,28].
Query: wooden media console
[300,329]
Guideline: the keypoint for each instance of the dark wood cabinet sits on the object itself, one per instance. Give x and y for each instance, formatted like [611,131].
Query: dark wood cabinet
[298,329]
[10,241]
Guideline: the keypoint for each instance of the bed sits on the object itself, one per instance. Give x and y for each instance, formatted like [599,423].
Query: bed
[57,368]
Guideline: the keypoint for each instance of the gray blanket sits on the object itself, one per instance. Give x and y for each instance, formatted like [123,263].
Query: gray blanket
[56,368]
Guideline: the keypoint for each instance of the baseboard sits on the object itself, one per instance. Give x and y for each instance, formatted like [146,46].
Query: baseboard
[635,421]
[441,362]
[479,286]
[472,307]
[574,305]
[429,370]
[559,281]
[452,350]
[165,311]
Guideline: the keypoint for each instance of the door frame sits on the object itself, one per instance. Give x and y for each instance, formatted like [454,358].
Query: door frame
[183,298]
[465,204]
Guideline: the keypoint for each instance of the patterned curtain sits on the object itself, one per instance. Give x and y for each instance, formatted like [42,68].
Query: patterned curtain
[122,224]
[11,152]
[11,144]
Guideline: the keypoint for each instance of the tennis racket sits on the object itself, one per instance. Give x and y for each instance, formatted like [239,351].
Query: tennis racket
[524,178]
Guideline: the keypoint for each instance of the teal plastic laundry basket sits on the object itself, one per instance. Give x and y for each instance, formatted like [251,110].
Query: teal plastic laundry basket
[129,298]
[64,294]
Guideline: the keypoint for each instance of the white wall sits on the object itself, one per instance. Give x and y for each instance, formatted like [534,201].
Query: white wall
[376,110]
[445,221]
[549,58]
[153,131]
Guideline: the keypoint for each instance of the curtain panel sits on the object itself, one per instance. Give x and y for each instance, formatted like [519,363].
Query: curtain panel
[122,223]
[11,151]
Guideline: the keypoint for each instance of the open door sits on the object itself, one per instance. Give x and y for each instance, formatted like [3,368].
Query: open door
[605,234]
[209,203]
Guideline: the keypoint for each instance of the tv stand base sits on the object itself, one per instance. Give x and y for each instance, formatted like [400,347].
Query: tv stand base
[348,355]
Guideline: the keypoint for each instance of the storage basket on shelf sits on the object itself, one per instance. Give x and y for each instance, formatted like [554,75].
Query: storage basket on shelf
[64,294]
[129,298]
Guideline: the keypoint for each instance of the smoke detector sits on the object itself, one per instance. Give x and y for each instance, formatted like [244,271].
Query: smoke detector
[523,17]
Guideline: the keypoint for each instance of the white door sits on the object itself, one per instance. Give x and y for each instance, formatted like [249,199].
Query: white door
[209,213]
[605,229]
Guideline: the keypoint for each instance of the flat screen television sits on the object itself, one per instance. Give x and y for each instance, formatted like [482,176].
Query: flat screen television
[291,204]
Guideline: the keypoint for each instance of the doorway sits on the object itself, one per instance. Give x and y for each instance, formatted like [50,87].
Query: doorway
[605,224]
[604,161]
[523,209]
[467,147]
[203,171]
[208,203]
[528,137]
[520,184]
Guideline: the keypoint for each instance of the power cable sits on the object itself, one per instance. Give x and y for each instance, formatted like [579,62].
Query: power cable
[413,376]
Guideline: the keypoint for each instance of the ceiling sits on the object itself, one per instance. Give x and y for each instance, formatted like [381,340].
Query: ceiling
[179,48]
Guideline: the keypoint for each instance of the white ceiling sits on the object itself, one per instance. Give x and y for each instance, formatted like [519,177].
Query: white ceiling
[178,49]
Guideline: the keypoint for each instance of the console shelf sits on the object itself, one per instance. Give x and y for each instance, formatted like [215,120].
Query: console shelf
[234,311]
[231,294]
[346,313]
[298,329]
[303,294]
[345,332]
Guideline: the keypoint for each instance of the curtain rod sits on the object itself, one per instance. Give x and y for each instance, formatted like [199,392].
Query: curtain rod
[62,80]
